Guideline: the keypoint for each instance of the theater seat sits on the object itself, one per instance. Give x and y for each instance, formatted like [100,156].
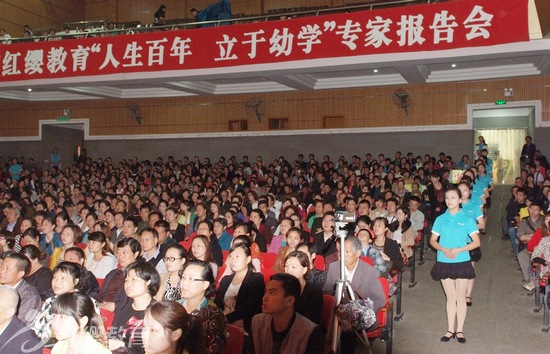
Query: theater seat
[107,317]
[328,303]
[235,339]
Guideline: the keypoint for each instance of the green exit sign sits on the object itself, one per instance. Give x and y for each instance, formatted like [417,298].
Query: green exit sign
[63,119]
[500,102]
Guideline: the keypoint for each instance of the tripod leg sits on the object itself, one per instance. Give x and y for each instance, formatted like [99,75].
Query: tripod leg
[334,326]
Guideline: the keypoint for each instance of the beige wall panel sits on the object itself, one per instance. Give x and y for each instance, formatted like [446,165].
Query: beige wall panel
[431,104]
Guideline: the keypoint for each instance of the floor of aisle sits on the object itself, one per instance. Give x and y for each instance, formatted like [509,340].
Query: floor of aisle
[501,319]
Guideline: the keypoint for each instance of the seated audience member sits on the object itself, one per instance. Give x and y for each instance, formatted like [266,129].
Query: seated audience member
[165,239]
[130,228]
[362,222]
[50,239]
[315,276]
[402,232]
[165,328]
[279,327]
[150,249]
[224,238]
[231,218]
[32,237]
[141,283]
[325,239]
[380,208]
[12,273]
[76,255]
[12,221]
[258,217]
[367,250]
[527,229]
[311,297]
[270,221]
[7,241]
[247,230]
[111,292]
[417,217]
[15,335]
[77,326]
[317,225]
[541,252]
[512,217]
[315,214]
[205,228]
[207,321]
[391,208]
[278,241]
[364,283]
[39,276]
[70,236]
[387,247]
[200,249]
[175,259]
[101,260]
[239,295]
[66,279]
[293,239]
[176,229]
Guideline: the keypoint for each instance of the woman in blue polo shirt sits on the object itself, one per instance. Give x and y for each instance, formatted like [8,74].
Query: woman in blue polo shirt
[475,211]
[454,234]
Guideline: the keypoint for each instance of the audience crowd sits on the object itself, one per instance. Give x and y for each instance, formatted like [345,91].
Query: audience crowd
[190,245]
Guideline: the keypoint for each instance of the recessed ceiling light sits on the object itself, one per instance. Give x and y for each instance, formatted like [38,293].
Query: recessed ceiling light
[484,90]
[453,65]
[375,70]
[29,89]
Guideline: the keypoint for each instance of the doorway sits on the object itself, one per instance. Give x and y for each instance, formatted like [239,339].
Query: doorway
[504,147]
[67,138]
[504,130]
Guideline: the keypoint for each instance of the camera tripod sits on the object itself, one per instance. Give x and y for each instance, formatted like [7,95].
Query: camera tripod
[343,284]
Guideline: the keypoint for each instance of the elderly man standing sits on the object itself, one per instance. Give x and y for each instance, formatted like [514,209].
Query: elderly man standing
[12,272]
[15,335]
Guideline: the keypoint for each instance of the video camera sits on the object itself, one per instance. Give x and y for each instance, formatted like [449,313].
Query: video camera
[344,223]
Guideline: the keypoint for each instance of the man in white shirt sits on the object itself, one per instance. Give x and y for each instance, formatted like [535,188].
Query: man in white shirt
[417,217]
[4,37]
[151,251]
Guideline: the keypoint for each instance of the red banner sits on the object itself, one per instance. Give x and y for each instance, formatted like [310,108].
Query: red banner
[440,26]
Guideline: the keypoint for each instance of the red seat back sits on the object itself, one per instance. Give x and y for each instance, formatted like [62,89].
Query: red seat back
[225,254]
[367,260]
[328,304]
[267,272]
[419,236]
[319,262]
[186,245]
[235,339]
[268,260]
[107,317]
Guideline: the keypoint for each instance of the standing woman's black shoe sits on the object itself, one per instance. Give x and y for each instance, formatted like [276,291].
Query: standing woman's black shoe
[446,337]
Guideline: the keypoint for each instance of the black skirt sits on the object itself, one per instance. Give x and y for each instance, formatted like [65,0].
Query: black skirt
[462,270]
